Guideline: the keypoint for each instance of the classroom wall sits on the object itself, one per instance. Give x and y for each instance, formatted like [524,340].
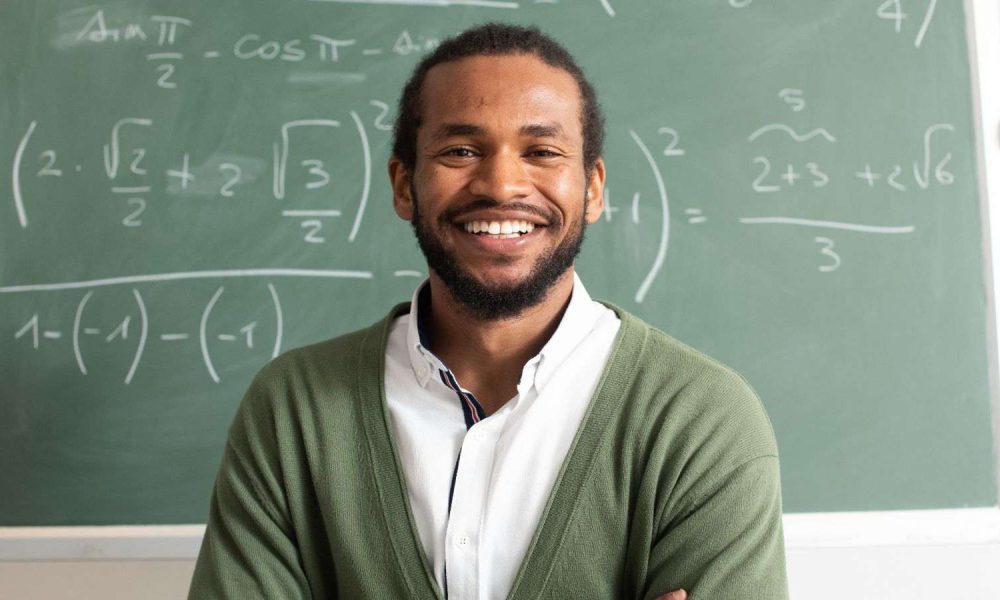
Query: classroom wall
[912,555]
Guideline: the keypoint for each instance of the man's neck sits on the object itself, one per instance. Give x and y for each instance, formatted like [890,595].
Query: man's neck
[487,356]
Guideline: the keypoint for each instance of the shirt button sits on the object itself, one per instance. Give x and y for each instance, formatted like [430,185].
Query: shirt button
[463,541]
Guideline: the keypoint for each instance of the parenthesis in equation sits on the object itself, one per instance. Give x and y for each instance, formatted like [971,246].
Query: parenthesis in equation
[76,331]
[202,332]
[280,322]
[15,176]
[142,336]
[366,154]
[661,252]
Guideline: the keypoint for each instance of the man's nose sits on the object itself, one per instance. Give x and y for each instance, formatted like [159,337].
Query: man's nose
[502,177]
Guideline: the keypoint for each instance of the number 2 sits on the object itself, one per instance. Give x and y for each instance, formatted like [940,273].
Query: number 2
[226,189]
[132,220]
[758,185]
[675,138]
[47,170]
[164,80]
[313,225]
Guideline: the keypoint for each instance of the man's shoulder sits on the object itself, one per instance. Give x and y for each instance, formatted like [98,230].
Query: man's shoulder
[688,391]
[329,362]
[662,356]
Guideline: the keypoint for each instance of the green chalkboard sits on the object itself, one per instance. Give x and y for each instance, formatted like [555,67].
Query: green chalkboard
[187,188]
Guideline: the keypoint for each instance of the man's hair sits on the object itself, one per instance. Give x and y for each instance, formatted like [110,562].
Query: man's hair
[497,39]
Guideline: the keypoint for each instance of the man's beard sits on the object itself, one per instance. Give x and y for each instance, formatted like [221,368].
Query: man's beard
[493,302]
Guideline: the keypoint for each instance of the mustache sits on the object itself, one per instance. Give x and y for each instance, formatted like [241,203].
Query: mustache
[550,216]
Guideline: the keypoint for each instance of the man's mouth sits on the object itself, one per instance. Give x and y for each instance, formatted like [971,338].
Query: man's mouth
[500,229]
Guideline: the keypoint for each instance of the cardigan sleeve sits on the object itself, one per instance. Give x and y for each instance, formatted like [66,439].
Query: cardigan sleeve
[249,550]
[718,533]
[728,543]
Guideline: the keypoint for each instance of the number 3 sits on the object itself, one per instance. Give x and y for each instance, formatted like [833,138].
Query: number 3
[828,251]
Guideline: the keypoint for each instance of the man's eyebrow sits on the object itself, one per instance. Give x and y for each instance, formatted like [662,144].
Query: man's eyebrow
[542,130]
[448,130]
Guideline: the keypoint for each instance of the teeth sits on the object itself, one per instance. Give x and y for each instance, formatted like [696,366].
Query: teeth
[504,228]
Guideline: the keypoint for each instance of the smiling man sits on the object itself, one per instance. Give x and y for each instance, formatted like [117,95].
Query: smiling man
[502,435]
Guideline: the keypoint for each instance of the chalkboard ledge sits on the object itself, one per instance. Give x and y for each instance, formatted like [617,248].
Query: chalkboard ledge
[963,526]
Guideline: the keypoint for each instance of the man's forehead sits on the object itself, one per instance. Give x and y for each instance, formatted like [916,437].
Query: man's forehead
[519,85]
[454,129]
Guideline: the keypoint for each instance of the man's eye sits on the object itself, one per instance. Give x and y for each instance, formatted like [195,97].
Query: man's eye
[459,152]
[543,153]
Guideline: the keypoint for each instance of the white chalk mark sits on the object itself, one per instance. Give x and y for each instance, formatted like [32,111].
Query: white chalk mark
[204,338]
[139,189]
[924,180]
[212,54]
[173,337]
[121,330]
[661,253]
[165,56]
[371,51]
[795,136]
[826,224]
[406,273]
[441,3]
[15,178]
[310,213]
[227,337]
[828,251]
[280,327]
[91,331]
[696,215]
[635,208]
[277,186]
[32,326]
[325,77]
[52,335]
[111,154]
[282,168]
[607,7]
[143,333]
[74,285]
[927,22]
[76,331]
[367,153]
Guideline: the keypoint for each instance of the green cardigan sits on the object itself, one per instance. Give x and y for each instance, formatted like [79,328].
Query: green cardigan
[671,482]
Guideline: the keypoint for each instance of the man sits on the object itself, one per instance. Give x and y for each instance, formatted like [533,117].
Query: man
[502,435]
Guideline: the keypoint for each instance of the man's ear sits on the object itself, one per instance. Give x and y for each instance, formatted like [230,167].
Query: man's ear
[402,190]
[595,192]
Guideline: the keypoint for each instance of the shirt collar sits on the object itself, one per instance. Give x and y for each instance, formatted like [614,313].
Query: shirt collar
[578,320]
[425,364]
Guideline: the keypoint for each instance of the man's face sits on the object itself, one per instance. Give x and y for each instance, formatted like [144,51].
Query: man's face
[499,197]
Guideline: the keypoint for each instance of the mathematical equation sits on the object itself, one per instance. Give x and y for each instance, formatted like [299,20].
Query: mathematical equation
[125,167]
[801,176]
[166,33]
[133,329]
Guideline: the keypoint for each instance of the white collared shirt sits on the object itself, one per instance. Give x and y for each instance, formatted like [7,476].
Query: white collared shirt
[476,535]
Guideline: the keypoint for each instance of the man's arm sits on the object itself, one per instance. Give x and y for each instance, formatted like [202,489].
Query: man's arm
[727,542]
[249,550]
